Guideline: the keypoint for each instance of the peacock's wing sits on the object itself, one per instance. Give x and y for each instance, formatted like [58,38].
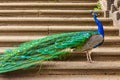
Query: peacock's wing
[93,42]
[36,51]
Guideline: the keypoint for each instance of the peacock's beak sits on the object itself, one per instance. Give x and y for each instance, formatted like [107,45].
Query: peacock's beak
[92,12]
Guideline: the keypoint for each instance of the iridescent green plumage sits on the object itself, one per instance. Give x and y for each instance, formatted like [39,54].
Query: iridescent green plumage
[48,48]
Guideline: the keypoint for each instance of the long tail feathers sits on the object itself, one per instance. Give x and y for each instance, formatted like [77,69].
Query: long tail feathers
[32,53]
[49,48]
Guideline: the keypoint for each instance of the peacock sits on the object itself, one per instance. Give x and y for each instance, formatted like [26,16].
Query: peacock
[52,47]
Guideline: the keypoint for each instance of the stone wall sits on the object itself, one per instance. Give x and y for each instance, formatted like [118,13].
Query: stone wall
[115,13]
[112,9]
[106,4]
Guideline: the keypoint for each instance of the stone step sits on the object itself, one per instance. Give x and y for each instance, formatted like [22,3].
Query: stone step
[71,65]
[41,6]
[81,65]
[38,30]
[48,13]
[16,40]
[109,31]
[60,1]
[87,72]
[112,41]
[104,51]
[59,77]
[54,21]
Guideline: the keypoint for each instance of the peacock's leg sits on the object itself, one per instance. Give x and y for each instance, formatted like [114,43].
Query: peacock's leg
[88,54]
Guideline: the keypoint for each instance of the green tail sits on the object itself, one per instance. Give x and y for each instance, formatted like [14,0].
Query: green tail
[36,51]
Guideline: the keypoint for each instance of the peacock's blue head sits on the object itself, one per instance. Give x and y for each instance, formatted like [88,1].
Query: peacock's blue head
[94,13]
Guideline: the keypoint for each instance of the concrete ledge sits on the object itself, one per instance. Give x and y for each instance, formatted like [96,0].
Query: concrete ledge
[61,77]
[83,65]
[13,40]
[47,4]
[58,1]
[54,21]
[60,29]
[41,6]
[51,19]
[54,28]
[97,51]
[48,13]
[23,28]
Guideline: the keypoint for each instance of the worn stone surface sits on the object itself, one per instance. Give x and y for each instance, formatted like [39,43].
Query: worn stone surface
[106,4]
[115,13]
[117,3]
[116,19]
[103,4]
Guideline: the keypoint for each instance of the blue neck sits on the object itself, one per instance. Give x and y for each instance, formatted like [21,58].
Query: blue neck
[100,26]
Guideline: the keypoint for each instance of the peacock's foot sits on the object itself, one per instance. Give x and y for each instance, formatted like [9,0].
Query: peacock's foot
[88,54]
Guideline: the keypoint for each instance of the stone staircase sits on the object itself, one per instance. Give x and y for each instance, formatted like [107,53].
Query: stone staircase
[26,20]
